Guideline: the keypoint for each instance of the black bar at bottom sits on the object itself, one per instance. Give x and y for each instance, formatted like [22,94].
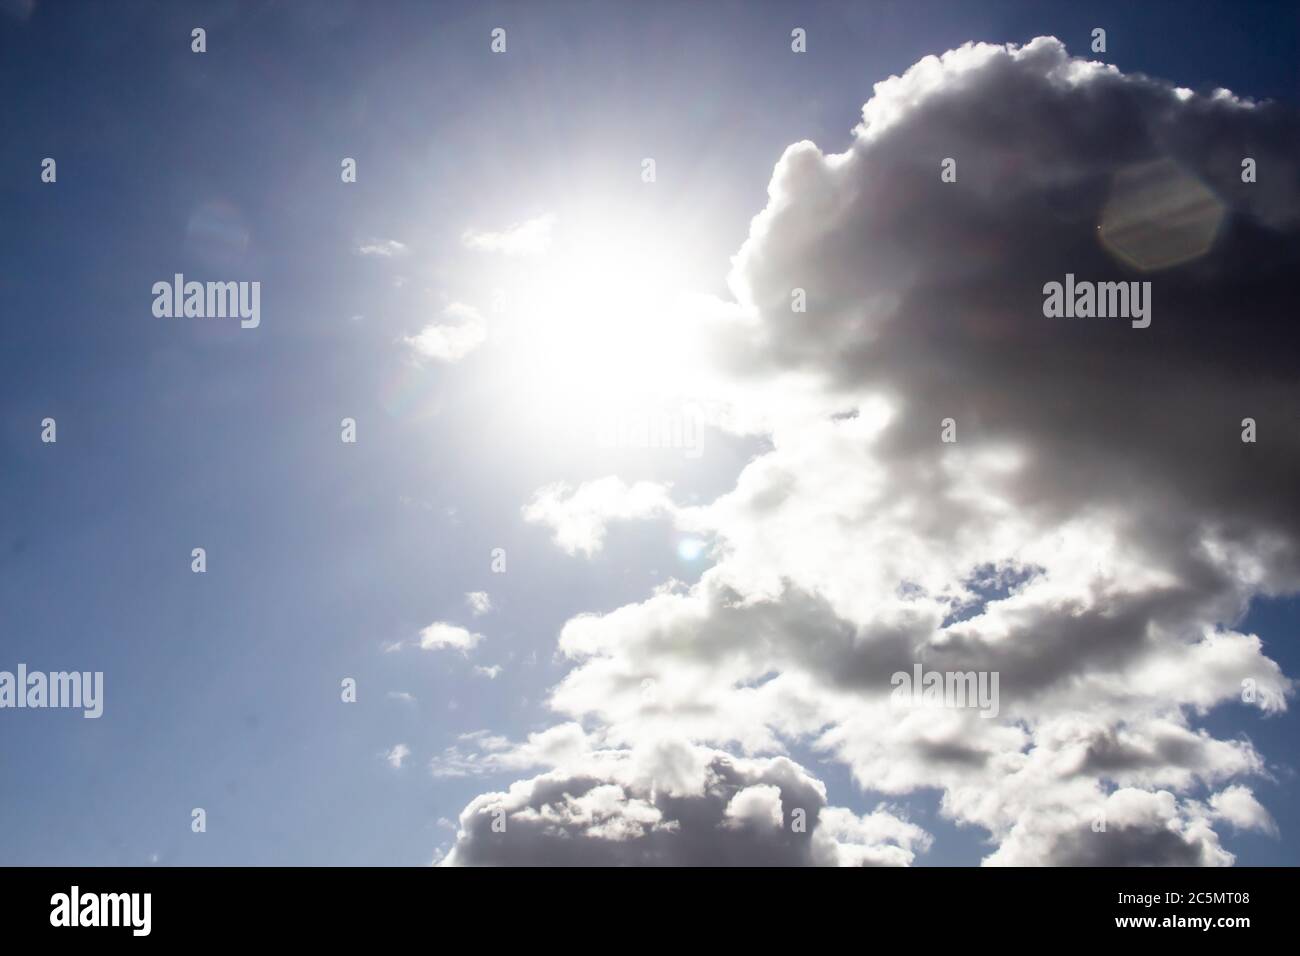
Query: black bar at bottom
[215,905]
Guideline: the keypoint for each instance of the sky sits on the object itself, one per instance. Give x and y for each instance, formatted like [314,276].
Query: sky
[631,538]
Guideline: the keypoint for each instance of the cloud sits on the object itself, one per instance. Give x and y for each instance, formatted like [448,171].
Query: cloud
[450,343]
[578,517]
[482,752]
[1238,806]
[1094,536]
[395,756]
[383,248]
[401,695]
[490,672]
[529,238]
[479,602]
[1133,828]
[440,636]
[677,805]
[758,805]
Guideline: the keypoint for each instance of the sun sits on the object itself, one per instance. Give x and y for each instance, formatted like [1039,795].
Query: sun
[603,317]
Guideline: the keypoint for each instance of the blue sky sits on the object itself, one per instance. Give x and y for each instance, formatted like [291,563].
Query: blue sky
[222,689]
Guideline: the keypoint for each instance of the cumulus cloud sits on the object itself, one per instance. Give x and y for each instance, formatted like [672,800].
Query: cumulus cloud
[395,756]
[450,342]
[1095,535]
[1238,806]
[529,238]
[440,636]
[1133,828]
[677,805]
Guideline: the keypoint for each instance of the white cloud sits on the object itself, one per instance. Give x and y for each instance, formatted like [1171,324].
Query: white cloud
[383,248]
[482,752]
[759,805]
[450,343]
[395,756]
[440,636]
[529,238]
[479,602]
[578,517]
[490,672]
[1238,806]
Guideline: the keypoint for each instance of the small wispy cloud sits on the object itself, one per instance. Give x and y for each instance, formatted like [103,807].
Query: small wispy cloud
[481,751]
[401,695]
[384,248]
[579,517]
[489,672]
[397,755]
[450,343]
[529,238]
[479,602]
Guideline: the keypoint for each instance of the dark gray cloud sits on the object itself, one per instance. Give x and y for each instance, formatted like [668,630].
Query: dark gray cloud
[734,813]
[931,292]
